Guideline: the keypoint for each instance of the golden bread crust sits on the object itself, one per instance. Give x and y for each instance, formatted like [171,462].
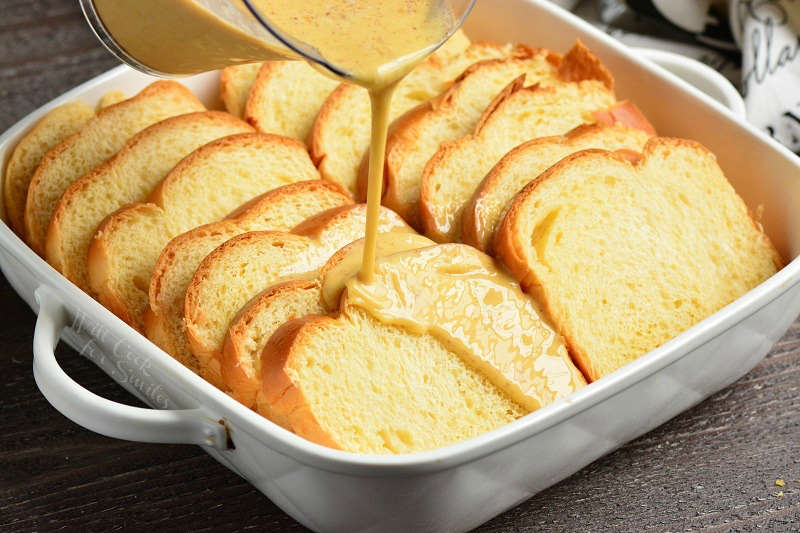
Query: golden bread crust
[98,140]
[287,405]
[480,216]
[69,233]
[279,254]
[516,115]
[418,126]
[581,64]
[238,371]
[193,181]
[234,86]
[271,108]
[163,320]
[340,134]
[50,131]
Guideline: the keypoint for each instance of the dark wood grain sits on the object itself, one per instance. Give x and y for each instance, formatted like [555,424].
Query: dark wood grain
[712,468]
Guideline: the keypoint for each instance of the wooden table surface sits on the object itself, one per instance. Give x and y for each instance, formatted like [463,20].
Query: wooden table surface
[714,467]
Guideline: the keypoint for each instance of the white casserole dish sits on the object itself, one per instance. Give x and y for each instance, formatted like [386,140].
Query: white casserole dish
[461,486]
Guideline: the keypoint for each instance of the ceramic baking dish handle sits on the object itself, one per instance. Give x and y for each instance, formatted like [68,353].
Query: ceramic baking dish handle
[700,76]
[189,426]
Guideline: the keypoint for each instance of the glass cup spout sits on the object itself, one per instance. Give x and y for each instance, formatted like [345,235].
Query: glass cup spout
[170,38]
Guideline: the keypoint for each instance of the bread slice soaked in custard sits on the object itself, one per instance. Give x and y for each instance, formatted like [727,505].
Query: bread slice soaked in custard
[346,395]
[245,265]
[356,384]
[255,323]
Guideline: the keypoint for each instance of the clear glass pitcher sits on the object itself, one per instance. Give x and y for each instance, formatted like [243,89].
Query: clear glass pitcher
[171,38]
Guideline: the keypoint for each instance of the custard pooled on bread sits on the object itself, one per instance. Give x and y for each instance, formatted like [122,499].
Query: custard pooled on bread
[439,347]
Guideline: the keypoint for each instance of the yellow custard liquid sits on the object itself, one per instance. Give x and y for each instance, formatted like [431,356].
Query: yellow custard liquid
[376,42]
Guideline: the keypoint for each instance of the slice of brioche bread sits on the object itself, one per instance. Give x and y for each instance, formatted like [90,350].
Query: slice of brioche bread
[99,139]
[255,323]
[397,392]
[235,83]
[127,177]
[624,256]
[240,268]
[286,97]
[520,114]
[280,209]
[432,289]
[532,370]
[52,129]
[252,327]
[521,165]
[416,136]
[341,132]
[127,244]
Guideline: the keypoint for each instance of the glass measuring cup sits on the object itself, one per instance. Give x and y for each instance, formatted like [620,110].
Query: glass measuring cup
[170,38]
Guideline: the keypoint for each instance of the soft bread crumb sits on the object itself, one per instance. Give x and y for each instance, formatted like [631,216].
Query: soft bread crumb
[110,98]
[127,177]
[455,170]
[624,257]
[242,267]
[99,139]
[254,325]
[366,387]
[341,130]
[416,136]
[523,164]
[286,97]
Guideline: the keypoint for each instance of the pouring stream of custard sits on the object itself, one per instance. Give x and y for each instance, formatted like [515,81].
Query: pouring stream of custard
[377,43]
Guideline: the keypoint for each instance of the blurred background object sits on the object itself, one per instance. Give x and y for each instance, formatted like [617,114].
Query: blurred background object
[753,43]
